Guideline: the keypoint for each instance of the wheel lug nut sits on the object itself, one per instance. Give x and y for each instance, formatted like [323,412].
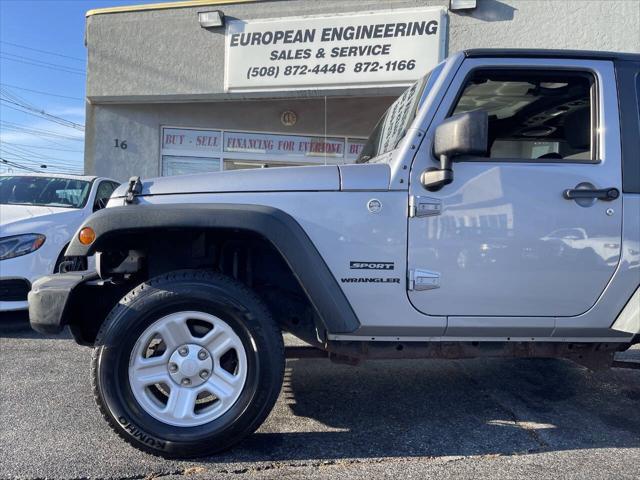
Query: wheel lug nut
[186,381]
[204,373]
[202,354]
[183,351]
[173,368]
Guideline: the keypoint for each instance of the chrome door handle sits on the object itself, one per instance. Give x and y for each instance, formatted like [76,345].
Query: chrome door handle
[606,194]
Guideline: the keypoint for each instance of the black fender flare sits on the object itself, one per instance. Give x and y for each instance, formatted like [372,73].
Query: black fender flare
[278,227]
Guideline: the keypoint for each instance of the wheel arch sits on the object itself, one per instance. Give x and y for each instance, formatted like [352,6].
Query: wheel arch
[60,257]
[116,227]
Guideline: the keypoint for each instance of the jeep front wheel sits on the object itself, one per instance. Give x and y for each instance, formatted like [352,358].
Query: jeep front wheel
[188,364]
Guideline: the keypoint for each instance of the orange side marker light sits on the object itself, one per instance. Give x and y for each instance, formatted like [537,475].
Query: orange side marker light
[87,236]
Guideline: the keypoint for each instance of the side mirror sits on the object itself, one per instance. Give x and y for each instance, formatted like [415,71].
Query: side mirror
[464,134]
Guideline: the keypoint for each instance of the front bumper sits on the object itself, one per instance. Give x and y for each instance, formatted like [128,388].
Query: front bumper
[25,269]
[49,300]
[13,306]
[13,294]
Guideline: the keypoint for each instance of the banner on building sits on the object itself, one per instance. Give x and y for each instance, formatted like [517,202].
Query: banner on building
[191,142]
[388,48]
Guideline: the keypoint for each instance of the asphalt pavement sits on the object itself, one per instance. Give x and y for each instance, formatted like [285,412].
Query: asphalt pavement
[382,419]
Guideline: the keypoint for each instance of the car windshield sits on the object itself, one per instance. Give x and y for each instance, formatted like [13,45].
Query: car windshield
[44,191]
[393,125]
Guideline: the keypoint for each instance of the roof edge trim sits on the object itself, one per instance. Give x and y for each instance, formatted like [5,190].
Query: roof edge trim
[162,6]
[549,53]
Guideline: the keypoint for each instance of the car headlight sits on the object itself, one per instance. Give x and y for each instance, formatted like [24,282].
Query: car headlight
[19,245]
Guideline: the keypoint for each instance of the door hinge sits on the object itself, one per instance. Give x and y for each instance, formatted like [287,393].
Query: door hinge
[420,279]
[424,206]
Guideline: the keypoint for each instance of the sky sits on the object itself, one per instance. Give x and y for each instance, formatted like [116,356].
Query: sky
[42,82]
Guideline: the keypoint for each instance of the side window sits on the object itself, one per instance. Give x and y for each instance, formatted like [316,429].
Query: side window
[105,189]
[534,115]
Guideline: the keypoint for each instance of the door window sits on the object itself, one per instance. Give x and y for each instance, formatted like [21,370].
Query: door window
[534,115]
[105,189]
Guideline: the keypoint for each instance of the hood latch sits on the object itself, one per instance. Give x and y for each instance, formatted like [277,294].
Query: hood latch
[135,188]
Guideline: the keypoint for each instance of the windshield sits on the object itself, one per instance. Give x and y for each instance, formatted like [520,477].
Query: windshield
[393,125]
[44,191]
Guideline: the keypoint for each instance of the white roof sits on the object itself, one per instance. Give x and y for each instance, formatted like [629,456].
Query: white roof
[87,178]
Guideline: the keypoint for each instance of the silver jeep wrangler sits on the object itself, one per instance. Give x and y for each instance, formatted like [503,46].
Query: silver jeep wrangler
[495,211]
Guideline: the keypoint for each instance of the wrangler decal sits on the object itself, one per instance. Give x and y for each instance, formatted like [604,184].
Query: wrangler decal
[370,280]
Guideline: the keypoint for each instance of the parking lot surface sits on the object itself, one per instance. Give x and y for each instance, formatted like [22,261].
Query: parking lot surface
[395,419]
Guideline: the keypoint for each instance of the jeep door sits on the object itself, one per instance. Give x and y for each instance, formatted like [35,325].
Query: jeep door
[505,243]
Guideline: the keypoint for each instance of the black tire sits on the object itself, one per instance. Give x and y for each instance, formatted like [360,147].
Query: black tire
[198,290]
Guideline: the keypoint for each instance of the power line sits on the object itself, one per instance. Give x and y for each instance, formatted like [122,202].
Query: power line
[17,165]
[37,155]
[42,114]
[36,60]
[65,162]
[20,156]
[40,92]
[11,127]
[45,116]
[17,45]
[39,164]
[39,131]
[31,152]
[39,137]
[15,97]
[43,166]
[39,159]
[38,113]
[37,63]
[42,147]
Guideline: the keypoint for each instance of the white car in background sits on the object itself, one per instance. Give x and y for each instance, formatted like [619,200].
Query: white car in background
[39,214]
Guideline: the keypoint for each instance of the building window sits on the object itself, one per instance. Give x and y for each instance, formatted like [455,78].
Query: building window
[183,165]
[191,150]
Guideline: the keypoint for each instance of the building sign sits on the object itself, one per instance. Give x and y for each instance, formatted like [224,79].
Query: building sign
[191,150]
[283,145]
[390,48]
[197,141]
[354,148]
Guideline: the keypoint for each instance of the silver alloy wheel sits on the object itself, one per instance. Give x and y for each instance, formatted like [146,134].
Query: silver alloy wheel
[187,369]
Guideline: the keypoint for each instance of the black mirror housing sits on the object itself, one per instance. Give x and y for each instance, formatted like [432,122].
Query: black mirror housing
[463,134]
